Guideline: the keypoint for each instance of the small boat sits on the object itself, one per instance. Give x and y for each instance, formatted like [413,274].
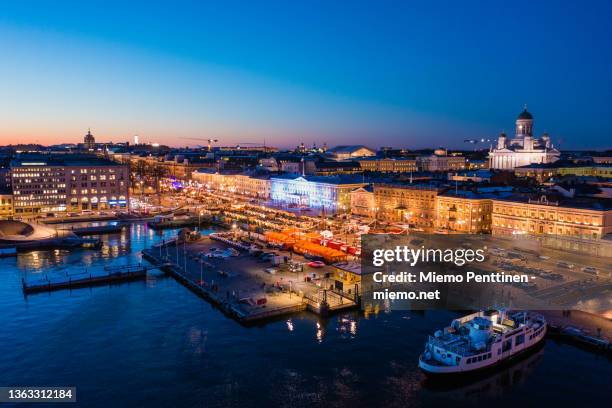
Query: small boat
[481,340]
[582,338]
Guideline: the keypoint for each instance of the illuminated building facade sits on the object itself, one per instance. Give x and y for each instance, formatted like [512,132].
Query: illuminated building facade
[253,186]
[441,162]
[544,171]
[576,217]
[6,204]
[363,203]
[523,149]
[331,194]
[244,184]
[52,184]
[464,211]
[350,152]
[410,203]
[388,165]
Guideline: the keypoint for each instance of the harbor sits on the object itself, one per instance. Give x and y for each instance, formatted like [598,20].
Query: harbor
[244,286]
[169,314]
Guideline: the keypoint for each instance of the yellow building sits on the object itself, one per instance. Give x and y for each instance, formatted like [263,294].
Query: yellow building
[6,205]
[575,217]
[409,203]
[464,211]
[388,165]
[253,186]
[363,203]
[544,171]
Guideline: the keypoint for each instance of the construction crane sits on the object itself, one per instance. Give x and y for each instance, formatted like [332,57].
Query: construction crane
[209,141]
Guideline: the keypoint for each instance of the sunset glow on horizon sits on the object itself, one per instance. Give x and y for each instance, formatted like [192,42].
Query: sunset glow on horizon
[291,73]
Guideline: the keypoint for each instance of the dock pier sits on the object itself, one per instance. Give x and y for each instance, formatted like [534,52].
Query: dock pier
[237,290]
[96,230]
[110,275]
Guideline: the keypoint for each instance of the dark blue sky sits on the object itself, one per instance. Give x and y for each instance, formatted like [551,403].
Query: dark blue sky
[403,73]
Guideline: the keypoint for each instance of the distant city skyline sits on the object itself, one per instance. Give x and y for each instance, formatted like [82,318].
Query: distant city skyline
[384,74]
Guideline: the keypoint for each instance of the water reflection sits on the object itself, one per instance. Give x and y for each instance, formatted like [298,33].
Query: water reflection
[119,248]
[489,384]
[320,333]
[347,325]
[136,338]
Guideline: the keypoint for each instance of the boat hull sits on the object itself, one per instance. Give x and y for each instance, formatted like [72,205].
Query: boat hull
[435,371]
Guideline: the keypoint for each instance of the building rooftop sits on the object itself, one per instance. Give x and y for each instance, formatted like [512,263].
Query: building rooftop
[562,164]
[336,164]
[558,200]
[369,188]
[336,179]
[525,115]
[348,149]
[61,160]
[376,158]
[480,193]
[430,185]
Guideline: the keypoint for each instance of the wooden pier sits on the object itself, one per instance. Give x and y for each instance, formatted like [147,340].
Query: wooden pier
[110,275]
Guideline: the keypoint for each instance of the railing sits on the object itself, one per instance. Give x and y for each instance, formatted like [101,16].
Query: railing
[462,350]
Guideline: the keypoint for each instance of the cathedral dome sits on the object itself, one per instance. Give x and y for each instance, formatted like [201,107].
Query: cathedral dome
[525,115]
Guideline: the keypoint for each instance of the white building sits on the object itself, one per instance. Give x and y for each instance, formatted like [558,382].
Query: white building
[328,193]
[523,149]
[350,152]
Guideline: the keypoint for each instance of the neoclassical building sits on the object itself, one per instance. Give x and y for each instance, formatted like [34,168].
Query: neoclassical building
[523,149]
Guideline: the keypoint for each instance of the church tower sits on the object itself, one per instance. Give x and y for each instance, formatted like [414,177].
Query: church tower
[524,124]
[501,141]
[89,141]
[523,149]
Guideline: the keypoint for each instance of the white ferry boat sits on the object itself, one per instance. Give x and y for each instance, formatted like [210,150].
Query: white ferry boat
[481,340]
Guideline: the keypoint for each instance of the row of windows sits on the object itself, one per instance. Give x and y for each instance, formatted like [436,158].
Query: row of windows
[536,333]
[419,195]
[476,359]
[93,171]
[24,195]
[561,216]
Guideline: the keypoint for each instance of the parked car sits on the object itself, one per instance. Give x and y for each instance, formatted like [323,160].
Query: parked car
[313,257]
[316,264]
[565,265]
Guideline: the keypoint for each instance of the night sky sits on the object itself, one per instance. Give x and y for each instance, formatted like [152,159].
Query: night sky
[404,73]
